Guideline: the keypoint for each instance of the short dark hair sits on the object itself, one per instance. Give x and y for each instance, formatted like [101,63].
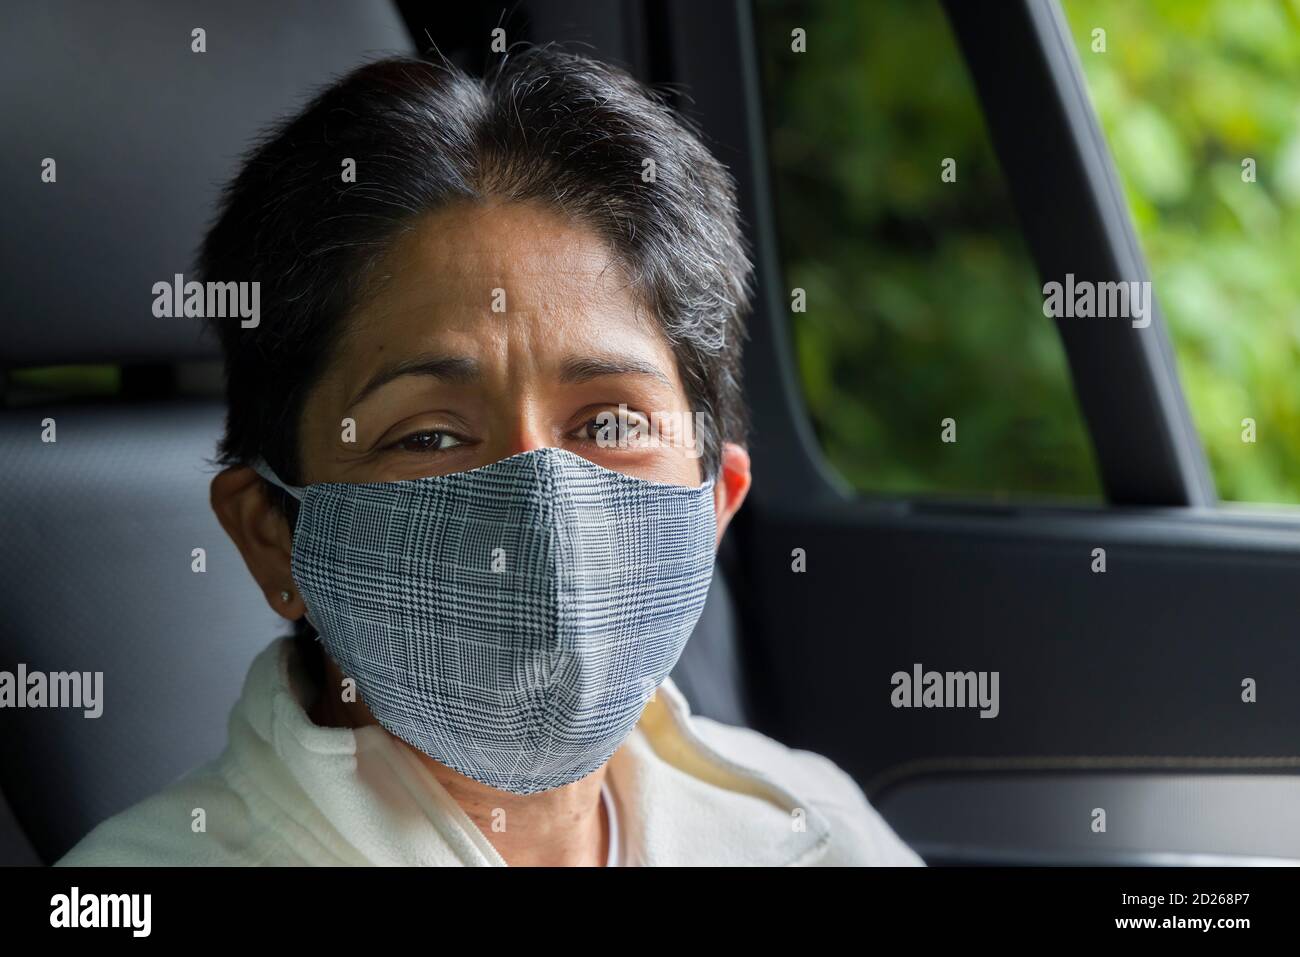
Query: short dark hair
[544,124]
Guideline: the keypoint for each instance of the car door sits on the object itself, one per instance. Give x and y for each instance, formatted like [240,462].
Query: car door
[1141,631]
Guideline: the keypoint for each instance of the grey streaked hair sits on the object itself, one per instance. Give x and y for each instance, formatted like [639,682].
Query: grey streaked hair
[545,124]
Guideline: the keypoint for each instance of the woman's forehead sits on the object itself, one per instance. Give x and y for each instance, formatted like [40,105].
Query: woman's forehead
[460,266]
[468,250]
[498,283]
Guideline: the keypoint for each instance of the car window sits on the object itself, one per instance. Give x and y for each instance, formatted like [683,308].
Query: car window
[927,364]
[1198,100]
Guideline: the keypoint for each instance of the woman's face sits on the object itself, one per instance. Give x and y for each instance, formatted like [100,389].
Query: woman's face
[495,329]
[430,378]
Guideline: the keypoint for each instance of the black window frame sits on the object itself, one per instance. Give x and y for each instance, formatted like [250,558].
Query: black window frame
[1072,213]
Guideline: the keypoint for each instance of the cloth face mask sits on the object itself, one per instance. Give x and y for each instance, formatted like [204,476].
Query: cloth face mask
[510,621]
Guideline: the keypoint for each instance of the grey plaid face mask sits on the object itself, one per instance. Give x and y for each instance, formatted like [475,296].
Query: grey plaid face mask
[511,621]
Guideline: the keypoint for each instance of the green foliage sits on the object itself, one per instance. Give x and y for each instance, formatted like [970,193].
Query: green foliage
[1185,91]
[922,300]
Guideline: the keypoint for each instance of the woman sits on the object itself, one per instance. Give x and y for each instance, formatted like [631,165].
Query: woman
[481,448]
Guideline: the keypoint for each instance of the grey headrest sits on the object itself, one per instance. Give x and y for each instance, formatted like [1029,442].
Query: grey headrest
[144,132]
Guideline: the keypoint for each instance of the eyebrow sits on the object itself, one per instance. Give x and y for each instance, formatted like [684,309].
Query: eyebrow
[463,369]
[586,368]
[454,369]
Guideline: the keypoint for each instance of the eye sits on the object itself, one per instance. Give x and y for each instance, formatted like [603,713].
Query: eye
[616,428]
[426,440]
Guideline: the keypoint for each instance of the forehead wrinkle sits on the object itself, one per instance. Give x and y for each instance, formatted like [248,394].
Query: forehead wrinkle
[571,272]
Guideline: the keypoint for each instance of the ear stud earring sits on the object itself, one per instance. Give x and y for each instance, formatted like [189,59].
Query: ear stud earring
[285,595]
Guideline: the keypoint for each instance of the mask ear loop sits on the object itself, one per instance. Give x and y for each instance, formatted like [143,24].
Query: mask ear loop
[261,467]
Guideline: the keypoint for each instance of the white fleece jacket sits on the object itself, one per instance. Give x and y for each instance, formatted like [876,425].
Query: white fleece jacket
[286,791]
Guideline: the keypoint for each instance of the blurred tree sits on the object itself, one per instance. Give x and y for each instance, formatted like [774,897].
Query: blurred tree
[1187,91]
[922,300]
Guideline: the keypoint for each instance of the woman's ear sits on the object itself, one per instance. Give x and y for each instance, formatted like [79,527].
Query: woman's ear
[261,533]
[732,486]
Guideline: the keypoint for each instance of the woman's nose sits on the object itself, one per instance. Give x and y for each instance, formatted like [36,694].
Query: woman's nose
[526,435]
